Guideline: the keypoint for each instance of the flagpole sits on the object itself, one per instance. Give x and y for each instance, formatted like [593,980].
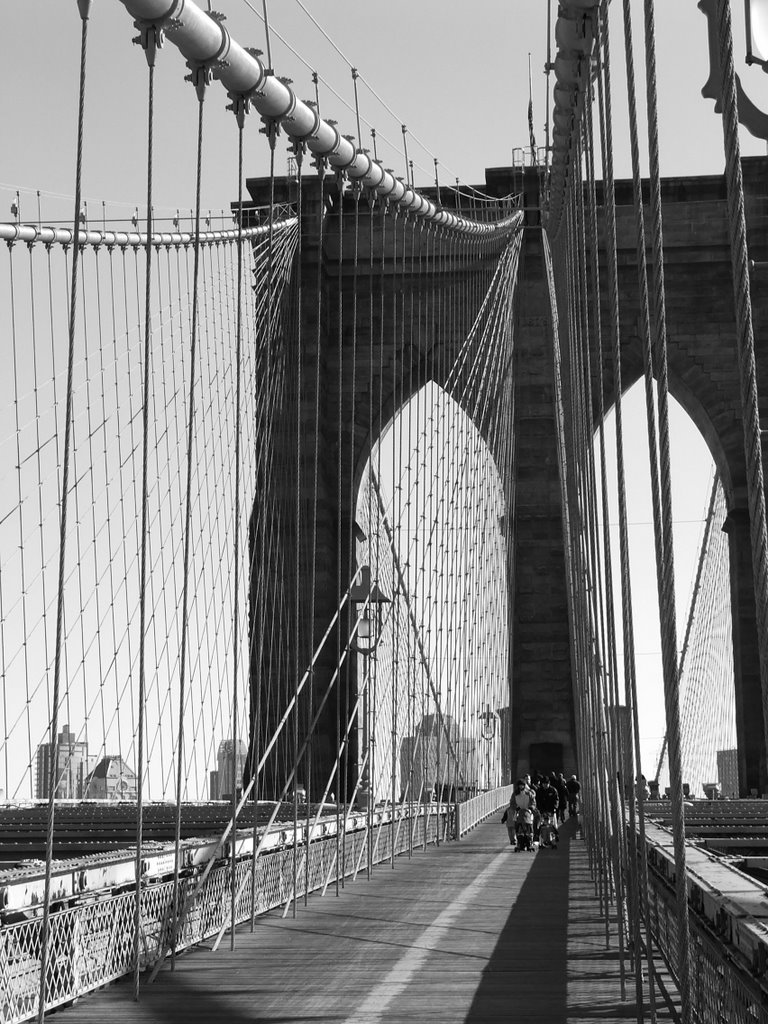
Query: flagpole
[548,70]
[532,137]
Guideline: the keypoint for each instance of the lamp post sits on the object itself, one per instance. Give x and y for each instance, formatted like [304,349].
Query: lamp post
[490,722]
[750,115]
[366,600]
[756,17]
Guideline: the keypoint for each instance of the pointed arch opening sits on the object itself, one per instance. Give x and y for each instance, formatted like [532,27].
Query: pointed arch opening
[433,529]
[703,601]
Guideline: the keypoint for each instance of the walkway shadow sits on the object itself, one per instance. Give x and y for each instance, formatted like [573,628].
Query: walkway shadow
[527,976]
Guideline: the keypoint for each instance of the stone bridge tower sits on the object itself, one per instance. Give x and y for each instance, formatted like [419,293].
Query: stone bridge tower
[343,299]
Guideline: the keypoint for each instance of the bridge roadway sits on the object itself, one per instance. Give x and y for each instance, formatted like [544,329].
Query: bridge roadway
[468,932]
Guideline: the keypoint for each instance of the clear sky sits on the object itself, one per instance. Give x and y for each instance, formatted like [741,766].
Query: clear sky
[456,74]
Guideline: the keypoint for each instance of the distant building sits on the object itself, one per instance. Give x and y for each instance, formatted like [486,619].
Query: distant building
[427,758]
[72,768]
[728,772]
[111,779]
[505,732]
[221,779]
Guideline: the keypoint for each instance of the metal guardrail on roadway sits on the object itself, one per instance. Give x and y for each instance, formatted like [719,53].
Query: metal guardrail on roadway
[92,933]
[728,922]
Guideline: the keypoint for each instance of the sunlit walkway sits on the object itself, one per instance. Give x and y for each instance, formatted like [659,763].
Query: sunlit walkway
[470,932]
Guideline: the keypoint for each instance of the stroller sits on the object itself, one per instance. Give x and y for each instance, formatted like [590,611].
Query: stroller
[548,834]
[524,828]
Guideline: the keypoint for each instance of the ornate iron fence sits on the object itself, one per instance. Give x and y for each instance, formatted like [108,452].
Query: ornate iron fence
[92,942]
[471,812]
[729,966]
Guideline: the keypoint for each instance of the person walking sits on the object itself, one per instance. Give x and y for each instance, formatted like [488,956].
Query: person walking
[548,802]
[518,817]
[574,789]
[558,781]
[508,818]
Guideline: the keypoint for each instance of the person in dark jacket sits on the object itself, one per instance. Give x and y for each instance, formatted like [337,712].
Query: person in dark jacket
[548,802]
[547,799]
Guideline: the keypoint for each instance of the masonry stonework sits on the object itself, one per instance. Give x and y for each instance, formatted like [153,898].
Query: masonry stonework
[412,281]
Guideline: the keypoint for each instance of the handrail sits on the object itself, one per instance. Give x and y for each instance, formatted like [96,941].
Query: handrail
[469,813]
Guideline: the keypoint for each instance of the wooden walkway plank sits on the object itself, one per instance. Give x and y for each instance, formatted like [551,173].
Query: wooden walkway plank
[471,932]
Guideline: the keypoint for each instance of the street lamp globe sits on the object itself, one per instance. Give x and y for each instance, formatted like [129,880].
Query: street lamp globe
[757,32]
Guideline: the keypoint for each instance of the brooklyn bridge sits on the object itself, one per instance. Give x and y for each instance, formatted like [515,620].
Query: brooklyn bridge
[319,523]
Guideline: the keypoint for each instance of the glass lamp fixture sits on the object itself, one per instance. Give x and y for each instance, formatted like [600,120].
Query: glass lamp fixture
[489,720]
[757,32]
[367,597]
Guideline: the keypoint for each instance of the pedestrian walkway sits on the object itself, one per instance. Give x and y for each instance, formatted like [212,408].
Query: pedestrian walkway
[470,932]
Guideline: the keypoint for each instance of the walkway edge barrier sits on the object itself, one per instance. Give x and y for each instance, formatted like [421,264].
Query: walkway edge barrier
[469,813]
[92,931]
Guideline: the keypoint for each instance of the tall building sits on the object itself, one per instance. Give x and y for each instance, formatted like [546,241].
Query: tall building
[221,784]
[427,760]
[72,768]
[728,772]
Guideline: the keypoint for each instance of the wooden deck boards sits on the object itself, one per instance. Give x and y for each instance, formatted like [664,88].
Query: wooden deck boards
[471,932]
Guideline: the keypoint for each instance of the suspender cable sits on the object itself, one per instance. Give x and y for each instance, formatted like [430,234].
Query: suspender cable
[668,611]
[396,404]
[149,40]
[343,781]
[266,33]
[321,169]
[299,151]
[371,667]
[618,806]
[340,459]
[200,80]
[670,669]
[240,109]
[414,390]
[374,703]
[84,7]
[606,132]
[592,613]
[353,665]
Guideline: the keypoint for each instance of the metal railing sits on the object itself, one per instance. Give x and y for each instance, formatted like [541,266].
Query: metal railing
[471,812]
[92,943]
[722,986]
[728,941]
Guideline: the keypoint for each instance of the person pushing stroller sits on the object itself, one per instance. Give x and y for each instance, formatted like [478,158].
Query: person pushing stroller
[548,801]
[518,817]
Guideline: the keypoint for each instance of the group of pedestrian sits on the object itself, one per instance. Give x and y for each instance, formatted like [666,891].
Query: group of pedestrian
[537,806]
